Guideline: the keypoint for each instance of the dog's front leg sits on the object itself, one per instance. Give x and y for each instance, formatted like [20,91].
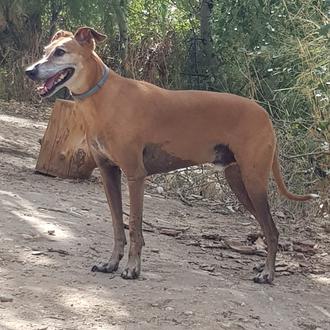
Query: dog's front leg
[111,176]
[136,192]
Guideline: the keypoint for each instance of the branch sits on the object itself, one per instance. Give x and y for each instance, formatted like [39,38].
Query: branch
[307,154]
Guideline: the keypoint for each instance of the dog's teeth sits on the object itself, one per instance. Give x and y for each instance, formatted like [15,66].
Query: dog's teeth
[60,78]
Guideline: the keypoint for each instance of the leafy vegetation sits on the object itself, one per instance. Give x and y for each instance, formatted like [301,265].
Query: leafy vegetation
[275,51]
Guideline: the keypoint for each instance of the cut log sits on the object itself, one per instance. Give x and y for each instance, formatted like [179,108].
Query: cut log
[64,150]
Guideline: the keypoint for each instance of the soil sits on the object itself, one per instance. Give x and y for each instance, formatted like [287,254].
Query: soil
[52,231]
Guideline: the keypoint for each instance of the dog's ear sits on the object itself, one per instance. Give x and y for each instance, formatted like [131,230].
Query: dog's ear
[87,35]
[61,34]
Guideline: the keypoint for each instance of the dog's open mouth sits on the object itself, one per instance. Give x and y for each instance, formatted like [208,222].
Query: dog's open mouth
[55,81]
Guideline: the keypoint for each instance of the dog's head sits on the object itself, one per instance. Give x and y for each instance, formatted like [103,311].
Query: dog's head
[63,60]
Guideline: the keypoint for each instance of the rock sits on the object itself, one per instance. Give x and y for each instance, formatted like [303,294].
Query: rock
[280,214]
[5,299]
[160,190]
[27,237]
[327,228]
[37,253]
[208,268]
[188,313]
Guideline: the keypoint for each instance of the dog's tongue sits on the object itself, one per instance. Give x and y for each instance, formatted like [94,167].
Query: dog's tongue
[48,85]
[51,81]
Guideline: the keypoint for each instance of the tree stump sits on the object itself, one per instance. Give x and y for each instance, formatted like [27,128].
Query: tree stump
[64,150]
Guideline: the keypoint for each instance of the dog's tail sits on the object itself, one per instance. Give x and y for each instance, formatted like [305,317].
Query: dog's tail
[281,185]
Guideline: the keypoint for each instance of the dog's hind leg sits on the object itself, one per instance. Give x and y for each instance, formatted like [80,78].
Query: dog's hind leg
[255,173]
[234,179]
[111,176]
[270,231]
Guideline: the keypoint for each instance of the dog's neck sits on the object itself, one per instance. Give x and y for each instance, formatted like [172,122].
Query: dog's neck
[95,88]
[96,74]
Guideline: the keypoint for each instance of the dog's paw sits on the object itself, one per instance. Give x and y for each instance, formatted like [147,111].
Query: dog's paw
[264,278]
[132,269]
[106,268]
[130,274]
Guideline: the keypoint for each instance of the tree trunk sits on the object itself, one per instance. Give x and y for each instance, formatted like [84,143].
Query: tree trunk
[64,149]
[20,33]
[205,32]
[120,10]
[55,9]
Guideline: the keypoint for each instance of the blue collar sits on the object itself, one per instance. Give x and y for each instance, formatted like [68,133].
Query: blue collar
[94,89]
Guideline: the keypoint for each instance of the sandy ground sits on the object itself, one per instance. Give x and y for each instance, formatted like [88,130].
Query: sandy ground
[52,231]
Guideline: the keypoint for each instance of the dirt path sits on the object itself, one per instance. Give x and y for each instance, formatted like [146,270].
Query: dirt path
[52,231]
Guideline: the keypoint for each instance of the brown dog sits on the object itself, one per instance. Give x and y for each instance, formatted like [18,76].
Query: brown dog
[142,129]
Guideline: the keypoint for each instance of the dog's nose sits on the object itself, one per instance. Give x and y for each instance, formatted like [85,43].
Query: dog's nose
[32,72]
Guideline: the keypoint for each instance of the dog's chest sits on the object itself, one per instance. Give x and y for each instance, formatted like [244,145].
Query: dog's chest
[100,151]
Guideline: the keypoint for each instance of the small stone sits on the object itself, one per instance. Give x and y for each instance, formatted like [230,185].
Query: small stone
[280,214]
[207,268]
[37,253]
[188,313]
[160,190]
[51,232]
[169,308]
[27,237]
[6,299]
[155,250]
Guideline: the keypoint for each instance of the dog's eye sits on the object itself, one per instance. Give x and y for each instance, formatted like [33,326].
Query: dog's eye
[59,52]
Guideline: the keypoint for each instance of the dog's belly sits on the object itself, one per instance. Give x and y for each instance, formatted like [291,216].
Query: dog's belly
[157,160]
